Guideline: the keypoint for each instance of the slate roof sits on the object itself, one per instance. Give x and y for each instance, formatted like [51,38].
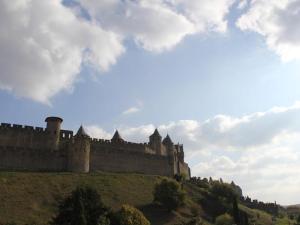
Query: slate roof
[81,132]
[117,137]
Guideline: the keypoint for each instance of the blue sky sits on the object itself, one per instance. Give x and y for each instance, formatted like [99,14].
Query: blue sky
[229,93]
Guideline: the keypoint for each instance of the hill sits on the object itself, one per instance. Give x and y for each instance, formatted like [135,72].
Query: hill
[32,198]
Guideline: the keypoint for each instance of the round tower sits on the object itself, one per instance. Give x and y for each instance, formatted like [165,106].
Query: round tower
[79,153]
[53,129]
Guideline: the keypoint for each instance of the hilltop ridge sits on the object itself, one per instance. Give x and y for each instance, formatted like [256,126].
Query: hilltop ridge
[32,198]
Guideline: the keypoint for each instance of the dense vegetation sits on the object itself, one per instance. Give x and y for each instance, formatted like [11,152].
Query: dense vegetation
[38,198]
[169,194]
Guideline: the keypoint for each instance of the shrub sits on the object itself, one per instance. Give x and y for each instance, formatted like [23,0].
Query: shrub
[223,190]
[224,219]
[132,216]
[213,205]
[82,207]
[169,194]
[195,221]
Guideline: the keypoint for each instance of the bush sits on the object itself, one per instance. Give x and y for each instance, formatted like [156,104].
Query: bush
[82,207]
[222,190]
[132,216]
[195,221]
[169,194]
[224,219]
[213,205]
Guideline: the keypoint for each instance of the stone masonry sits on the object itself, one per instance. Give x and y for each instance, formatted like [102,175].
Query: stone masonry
[25,148]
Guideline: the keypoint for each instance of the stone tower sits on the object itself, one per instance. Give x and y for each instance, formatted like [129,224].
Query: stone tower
[180,153]
[79,153]
[117,138]
[169,145]
[167,142]
[155,142]
[53,129]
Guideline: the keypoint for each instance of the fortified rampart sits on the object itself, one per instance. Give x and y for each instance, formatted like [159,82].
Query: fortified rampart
[30,148]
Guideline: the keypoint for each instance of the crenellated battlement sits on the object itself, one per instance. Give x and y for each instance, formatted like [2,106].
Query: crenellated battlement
[66,134]
[24,128]
[24,147]
[110,142]
[124,144]
[99,141]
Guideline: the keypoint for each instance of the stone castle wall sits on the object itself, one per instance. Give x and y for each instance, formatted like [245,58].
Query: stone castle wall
[120,160]
[22,136]
[126,146]
[27,159]
[184,169]
[27,148]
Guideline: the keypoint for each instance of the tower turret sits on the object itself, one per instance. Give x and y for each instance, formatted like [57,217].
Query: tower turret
[53,129]
[155,142]
[117,138]
[167,142]
[181,153]
[79,153]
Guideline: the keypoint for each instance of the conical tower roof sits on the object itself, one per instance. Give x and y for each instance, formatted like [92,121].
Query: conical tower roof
[117,137]
[167,140]
[81,132]
[155,134]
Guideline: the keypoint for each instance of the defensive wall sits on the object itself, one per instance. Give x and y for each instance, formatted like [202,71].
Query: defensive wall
[27,148]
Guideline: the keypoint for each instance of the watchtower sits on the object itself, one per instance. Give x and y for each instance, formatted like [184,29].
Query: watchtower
[155,142]
[53,130]
[117,138]
[79,153]
[168,143]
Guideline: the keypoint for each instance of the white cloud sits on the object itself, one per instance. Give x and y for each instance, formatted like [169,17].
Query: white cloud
[259,151]
[158,25]
[131,110]
[97,132]
[205,14]
[43,46]
[136,134]
[278,22]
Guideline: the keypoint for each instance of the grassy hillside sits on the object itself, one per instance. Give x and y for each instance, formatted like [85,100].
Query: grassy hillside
[32,198]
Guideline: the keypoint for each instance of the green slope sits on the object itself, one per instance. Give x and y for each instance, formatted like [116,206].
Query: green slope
[33,197]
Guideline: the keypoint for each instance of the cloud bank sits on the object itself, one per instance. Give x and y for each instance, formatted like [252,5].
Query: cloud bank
[278,22]
[44,44]
[259,151]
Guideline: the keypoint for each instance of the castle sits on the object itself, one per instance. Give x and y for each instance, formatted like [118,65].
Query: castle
[25,148]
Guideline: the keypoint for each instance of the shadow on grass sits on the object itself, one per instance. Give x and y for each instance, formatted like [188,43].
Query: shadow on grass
[157,215]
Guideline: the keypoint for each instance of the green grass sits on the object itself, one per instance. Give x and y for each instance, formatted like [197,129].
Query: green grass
[257,217]
[285,221]
[33,197]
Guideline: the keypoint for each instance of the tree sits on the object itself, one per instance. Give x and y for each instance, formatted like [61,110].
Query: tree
[298,220]
[223,190]
[132,216]
[246,220]
[83,207]
[196,221]
[169,194]
[235,212]
[224,219]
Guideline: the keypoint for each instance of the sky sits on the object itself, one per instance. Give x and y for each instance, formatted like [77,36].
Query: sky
[220,76]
